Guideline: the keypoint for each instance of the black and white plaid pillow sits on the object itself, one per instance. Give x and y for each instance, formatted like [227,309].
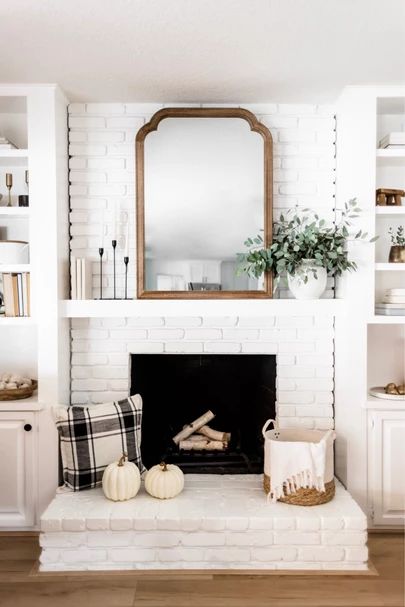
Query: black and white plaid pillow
[91,437]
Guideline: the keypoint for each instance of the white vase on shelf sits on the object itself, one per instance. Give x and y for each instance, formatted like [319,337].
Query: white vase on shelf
[309,282]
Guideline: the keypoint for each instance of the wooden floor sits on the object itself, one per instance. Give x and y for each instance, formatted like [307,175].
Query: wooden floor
[20,586]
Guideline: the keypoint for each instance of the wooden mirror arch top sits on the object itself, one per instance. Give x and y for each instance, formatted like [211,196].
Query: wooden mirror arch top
[194,112]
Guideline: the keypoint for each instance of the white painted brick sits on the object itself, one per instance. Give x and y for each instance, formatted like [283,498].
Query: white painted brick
[299,163]
[105,109]
[203,539]
[86,122]
[128,334]
[344,538]
[295,397]
[106,189]
[132,555]
[249,538]
[260,322]
[276,553]
[295,371]
[129,122]
[297,109]
[203,334]
[89,384]
[62,540]
[77,163]
[261,347]
[278,334]
[296,136]
[237,524]
[73,524]
[332,523]
[308,523]
[280,122]
[314,411]
[358,523]
[297,188]
[285,359]
[219,321]
[357,554]
[166,334]
[146,347]
[264,524]
[320,553]
[89,359]
[324,398]
[314,384]
[89,334]
[146,524]
[76,108]
[284,523]
[108,539]
[184,347]
[180,554]
[212,524]
[49,556]
[226,555]
[325,360]
[294,321]
[105,163]
[220,347]
[285,384]
[183,321]
[77,149]
[289,538]
[78,137]
[284,175]
[240,334]
[145,322]
[162,539]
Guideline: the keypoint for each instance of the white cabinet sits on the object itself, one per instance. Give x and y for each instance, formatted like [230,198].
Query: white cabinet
[17,448]
[387,460]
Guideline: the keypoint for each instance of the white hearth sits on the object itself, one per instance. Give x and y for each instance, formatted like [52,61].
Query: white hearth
[218,522]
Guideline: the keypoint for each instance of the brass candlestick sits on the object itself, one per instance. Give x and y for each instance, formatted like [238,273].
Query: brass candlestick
[9,184]
[27,181]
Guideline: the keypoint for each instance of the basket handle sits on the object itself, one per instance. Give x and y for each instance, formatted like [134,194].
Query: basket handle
[266,425]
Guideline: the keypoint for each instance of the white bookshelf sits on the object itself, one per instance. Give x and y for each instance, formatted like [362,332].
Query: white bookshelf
[14,211]
[390,211]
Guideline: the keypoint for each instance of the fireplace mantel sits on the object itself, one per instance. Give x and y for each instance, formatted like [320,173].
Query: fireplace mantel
[183,307]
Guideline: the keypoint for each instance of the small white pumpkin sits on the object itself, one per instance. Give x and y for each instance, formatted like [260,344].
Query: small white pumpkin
[121,480]
[164,481]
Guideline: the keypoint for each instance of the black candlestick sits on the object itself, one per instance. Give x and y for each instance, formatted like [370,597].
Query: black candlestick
[114,246]
[101,253]
[126,260]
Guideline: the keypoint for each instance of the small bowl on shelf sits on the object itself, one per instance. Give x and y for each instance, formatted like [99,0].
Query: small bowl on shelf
[19,393]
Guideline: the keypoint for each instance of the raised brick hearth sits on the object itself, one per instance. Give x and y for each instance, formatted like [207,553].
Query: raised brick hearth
[218,522]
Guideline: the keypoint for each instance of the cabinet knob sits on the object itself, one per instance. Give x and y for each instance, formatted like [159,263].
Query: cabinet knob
[27,427]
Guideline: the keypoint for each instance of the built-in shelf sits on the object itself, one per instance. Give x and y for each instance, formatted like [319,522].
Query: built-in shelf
[381,403]
[16,321]
[390,267]
[23,404]
[13,157]
[198,307]
[380,319]
[394,210]
[14,211]
[15,267]
[390,157]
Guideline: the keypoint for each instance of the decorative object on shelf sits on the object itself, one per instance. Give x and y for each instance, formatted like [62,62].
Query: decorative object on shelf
[9,184]
[305,248]
[108,427]
[389,197]
[16,294]
[14,252]
[392,388]
[16,387]
[81,278]
[380,392]
[397,250]
[393,140]
[101,253]
[23,200]
[121,480]
[114,246]
[126,260]
[164,481]
[393,303]
[298,465]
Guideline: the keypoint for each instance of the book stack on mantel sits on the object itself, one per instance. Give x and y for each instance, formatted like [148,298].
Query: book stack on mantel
[16,294]
[393,303]
[80,278]
[393,141]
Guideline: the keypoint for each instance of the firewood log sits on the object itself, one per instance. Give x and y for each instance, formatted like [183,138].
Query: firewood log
[193,427]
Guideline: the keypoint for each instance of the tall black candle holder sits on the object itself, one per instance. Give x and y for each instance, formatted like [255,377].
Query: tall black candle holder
[101,253]
[114,246]
[126,261]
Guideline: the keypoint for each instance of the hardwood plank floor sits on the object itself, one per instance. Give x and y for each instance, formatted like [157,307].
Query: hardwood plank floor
[20,588]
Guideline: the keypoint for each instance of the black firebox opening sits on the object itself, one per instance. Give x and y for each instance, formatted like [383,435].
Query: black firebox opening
[176,389]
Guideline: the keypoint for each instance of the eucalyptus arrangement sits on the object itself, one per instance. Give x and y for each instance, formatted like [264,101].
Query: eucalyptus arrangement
[398,237]
[305,247]
[397,251]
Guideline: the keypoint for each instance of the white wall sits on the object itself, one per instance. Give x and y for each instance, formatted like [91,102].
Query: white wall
[102,174]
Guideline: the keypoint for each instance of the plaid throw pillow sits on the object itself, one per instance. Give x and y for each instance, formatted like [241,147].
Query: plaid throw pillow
[91,437]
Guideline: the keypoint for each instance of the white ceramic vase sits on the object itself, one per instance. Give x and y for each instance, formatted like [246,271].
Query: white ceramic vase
[313,288]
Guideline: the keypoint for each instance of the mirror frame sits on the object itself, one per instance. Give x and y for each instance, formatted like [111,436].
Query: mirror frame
[194,112]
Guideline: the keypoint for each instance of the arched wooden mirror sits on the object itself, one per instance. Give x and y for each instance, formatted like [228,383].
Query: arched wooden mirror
[204,185]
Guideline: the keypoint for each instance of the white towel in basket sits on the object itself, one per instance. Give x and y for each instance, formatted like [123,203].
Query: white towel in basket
[297,464]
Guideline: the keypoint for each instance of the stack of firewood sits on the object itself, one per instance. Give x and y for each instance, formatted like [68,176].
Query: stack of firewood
[198,436]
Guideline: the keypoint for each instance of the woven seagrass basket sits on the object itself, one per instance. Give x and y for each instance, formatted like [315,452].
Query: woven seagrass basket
[303,496]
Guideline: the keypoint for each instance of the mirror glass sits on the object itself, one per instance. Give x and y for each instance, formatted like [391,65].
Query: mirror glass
[203,196]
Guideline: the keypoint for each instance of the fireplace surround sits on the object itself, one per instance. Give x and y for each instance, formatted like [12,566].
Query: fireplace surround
[240,389]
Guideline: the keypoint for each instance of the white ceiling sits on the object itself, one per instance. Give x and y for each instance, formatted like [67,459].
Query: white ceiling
[202,50]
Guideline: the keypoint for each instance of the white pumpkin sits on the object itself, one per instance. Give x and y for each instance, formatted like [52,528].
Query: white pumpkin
[164,481]
[121,480]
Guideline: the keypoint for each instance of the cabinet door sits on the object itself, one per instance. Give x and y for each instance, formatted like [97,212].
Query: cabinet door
[387,467]
[17,469]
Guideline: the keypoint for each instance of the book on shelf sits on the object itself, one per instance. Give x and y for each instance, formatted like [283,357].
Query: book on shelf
[81,278]
[393,140]
[16,294]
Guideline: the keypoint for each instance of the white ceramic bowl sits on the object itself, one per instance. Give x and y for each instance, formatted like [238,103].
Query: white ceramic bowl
[14,251]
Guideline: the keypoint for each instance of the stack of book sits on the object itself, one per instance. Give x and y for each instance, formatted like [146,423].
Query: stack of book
[80,278]
[16,294]
[393,303]
[393,140]
[5,144]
